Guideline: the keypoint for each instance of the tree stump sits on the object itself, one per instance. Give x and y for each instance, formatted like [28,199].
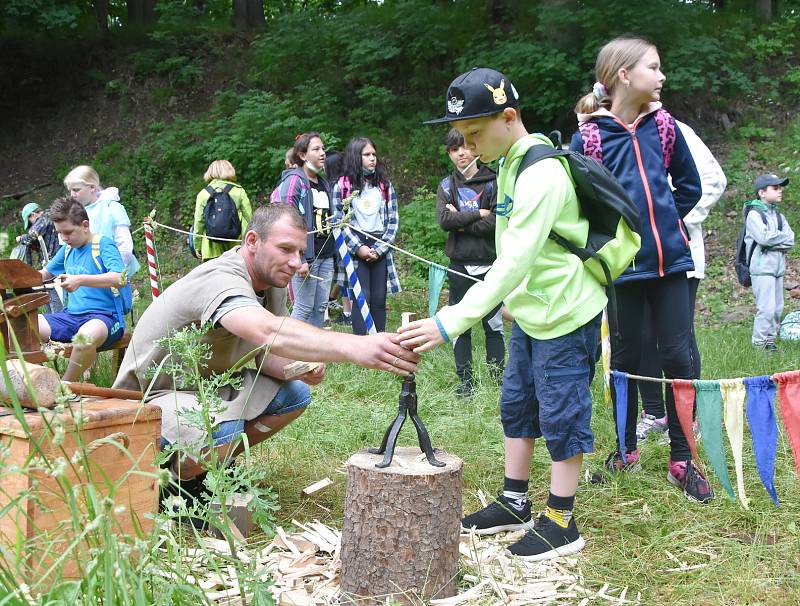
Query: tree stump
[401,528]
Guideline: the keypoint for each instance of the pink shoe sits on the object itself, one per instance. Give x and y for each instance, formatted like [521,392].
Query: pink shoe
[687,477]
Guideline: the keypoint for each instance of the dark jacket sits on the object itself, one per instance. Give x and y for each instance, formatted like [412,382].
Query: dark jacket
[44,228]
[470,238]
[294,188]
[635,157]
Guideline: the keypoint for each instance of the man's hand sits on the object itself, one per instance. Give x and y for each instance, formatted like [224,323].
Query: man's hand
[421,335]
[313,377]
[484,212]
[451,208]
[384,352]
[71,283]
[363,252]
[303,271]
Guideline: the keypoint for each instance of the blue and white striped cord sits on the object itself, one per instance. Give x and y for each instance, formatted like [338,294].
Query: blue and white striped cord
[352,280]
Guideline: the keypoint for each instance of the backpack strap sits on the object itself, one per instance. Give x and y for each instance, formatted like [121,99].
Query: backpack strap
[98,261]
[211,191]
[227,188]
[665,124]
[96,251]
[592,143]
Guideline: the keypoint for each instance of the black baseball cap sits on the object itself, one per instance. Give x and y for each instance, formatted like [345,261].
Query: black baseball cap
[764,181]
[480,92]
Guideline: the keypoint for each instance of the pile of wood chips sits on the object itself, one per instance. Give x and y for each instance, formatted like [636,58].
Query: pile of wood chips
[304,566]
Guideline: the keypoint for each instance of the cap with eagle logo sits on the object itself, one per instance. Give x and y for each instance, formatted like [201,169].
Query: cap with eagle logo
[480,92]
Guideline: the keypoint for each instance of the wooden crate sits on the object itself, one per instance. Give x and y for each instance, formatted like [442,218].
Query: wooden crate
[35,525]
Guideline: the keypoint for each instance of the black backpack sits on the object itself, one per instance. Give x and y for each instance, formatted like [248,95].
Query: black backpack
[221,216]
[614,223]
[743,256]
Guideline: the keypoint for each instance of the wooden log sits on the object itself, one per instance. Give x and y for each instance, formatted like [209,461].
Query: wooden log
[401,528]
[43,381]
[238,513]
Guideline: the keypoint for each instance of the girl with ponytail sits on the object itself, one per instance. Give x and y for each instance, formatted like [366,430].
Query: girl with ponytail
[622,124]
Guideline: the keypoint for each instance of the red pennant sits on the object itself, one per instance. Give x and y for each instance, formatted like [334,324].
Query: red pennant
[789,384]
[684,405]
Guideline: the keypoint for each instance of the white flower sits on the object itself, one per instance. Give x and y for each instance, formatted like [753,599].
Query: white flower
[59,466]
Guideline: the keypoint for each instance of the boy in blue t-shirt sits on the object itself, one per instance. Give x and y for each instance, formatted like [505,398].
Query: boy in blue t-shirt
[87,271]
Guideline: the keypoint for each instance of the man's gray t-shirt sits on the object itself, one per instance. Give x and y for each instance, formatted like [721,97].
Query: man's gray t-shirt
[195,299]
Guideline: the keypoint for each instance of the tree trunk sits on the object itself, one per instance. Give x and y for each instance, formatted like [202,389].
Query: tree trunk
[248,14]
[401,528]
[498,11]
[141,12]
[764,9]
[101,16]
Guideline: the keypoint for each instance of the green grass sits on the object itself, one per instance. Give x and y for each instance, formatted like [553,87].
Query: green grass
[752,557]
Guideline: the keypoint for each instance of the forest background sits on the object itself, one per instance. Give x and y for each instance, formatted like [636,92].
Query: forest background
[150,91]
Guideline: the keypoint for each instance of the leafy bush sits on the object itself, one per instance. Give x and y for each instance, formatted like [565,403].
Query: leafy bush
[420,234]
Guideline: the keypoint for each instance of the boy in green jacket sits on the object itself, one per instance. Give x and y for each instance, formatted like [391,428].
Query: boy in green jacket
[556,305]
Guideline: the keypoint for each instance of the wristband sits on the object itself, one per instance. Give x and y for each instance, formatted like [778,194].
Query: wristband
[441,329]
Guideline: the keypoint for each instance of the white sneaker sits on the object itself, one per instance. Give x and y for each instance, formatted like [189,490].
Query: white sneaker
[650,424]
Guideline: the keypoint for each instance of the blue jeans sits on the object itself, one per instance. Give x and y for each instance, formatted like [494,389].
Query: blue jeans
[310,295]
[546,389]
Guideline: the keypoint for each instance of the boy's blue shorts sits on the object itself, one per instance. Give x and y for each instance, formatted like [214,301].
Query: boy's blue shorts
[65,325]
[546,389]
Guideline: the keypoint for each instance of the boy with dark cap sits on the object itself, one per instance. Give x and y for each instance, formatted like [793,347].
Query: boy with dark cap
[767,238]
[556,304]
[465,203]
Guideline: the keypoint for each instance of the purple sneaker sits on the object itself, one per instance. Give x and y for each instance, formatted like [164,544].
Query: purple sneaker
[688,478]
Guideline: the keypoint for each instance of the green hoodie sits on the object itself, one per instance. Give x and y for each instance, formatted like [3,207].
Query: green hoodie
[544,286]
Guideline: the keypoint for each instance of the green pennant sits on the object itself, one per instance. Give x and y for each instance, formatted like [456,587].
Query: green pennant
[709,413]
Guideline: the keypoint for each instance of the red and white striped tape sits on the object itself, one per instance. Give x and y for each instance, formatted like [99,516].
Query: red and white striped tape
[152,267]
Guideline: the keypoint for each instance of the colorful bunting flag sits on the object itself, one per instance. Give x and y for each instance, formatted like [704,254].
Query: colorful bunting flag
[684,404]
[436,276]
[709,413]
[605,355]
[763,429]
[733,399]
[789,383]
[621,392]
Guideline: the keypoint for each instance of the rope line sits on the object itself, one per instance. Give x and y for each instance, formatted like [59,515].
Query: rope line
[341,224]
[417,257]
[668,381]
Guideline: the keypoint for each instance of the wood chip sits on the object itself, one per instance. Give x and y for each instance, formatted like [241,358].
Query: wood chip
[304,569]
[295,369]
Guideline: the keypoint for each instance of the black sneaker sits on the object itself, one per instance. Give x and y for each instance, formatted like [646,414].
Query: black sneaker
[193,491]
[465,389]
[499,516]
[342,320]
[547,540]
